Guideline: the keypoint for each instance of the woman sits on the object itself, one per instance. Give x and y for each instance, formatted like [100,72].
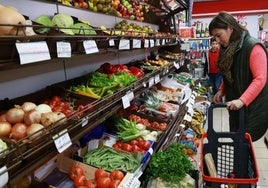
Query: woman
[243,64]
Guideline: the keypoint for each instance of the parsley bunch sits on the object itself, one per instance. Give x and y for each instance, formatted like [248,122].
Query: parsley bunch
[170,165]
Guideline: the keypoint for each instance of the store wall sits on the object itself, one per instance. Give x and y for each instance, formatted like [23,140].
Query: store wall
[252,23]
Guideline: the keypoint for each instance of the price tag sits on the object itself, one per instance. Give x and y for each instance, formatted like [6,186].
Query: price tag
[111,42]
[189,105]
[124,44]
[176,65]
[190,111]
[62,141]
[127,98]
[30,52]
[144,84]
[151,82]
[90,46]
[157,42]
[187,118]
[163,41]
[151,151]
[136,43]
[64,49]
[157,78]
[84,121]
[3,176]
[146,43]
[151,42]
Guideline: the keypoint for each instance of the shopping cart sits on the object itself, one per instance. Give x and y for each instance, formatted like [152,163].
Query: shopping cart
[230,153]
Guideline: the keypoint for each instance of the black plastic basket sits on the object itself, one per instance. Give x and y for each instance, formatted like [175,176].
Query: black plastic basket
[232,153]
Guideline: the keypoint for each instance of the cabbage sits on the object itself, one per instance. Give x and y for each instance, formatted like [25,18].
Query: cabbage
[3,146]
[83,29]
[64,20]
[43,20]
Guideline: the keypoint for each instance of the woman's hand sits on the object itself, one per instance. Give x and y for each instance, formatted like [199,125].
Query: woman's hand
[218,96]
[235,104]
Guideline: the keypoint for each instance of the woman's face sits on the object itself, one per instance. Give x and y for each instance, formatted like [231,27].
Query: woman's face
[222,36]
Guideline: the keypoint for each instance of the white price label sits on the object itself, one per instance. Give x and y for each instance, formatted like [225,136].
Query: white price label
[157,42]
[124,44]
[151,82]
[111,42]
[187,118]
[3,176]
[176,65]
[30,52]
[189,105]
[62,141]
[84,121]
[190,111]
[151,42]
[90,46]
[157,78]
[146,43]
[64,49]
[126,99]
[163,42]
[136,43]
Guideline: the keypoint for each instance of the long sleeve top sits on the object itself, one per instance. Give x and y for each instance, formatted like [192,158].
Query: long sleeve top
[258,67]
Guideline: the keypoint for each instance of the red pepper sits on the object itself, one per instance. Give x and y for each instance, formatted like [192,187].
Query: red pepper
[136,71]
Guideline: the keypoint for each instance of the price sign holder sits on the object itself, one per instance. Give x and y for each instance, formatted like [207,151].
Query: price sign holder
[90,46]
[64,49]
[30,52]
[62,140]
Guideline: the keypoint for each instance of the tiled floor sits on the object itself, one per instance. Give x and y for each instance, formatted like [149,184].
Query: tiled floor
[220,117]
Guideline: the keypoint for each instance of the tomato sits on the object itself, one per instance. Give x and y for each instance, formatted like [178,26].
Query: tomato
[80,180]
[146,145]
[133,142]
[117,175]
[114,183]
[136,148]
[75,171]
[99,173]
[56,98]
[103,182]
[126,147]
[89,184]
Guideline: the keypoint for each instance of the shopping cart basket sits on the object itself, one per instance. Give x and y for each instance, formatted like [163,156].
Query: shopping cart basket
[231,153]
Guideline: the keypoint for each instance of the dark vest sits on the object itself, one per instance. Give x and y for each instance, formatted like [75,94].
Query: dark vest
[256,114]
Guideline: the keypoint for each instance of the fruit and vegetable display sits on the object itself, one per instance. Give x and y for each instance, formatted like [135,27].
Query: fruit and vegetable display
[66,24]
[101,179]
[106,80]
[30,119]
[171,166]
[127,130]
[110,159]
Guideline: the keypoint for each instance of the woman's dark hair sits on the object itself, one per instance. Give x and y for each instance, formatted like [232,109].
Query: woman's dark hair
[224,20]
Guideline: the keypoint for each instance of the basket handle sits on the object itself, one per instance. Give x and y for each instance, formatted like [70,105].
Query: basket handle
[223,105]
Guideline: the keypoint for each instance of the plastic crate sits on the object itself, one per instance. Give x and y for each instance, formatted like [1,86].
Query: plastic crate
[232,153]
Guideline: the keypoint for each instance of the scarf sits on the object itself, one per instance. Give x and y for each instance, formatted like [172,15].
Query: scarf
[226,59]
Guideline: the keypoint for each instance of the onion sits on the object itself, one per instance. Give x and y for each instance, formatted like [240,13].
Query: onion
[31,117]
[18,131]
[5,129]
[15,115]
[27,106]
[34,128]
[43,108]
